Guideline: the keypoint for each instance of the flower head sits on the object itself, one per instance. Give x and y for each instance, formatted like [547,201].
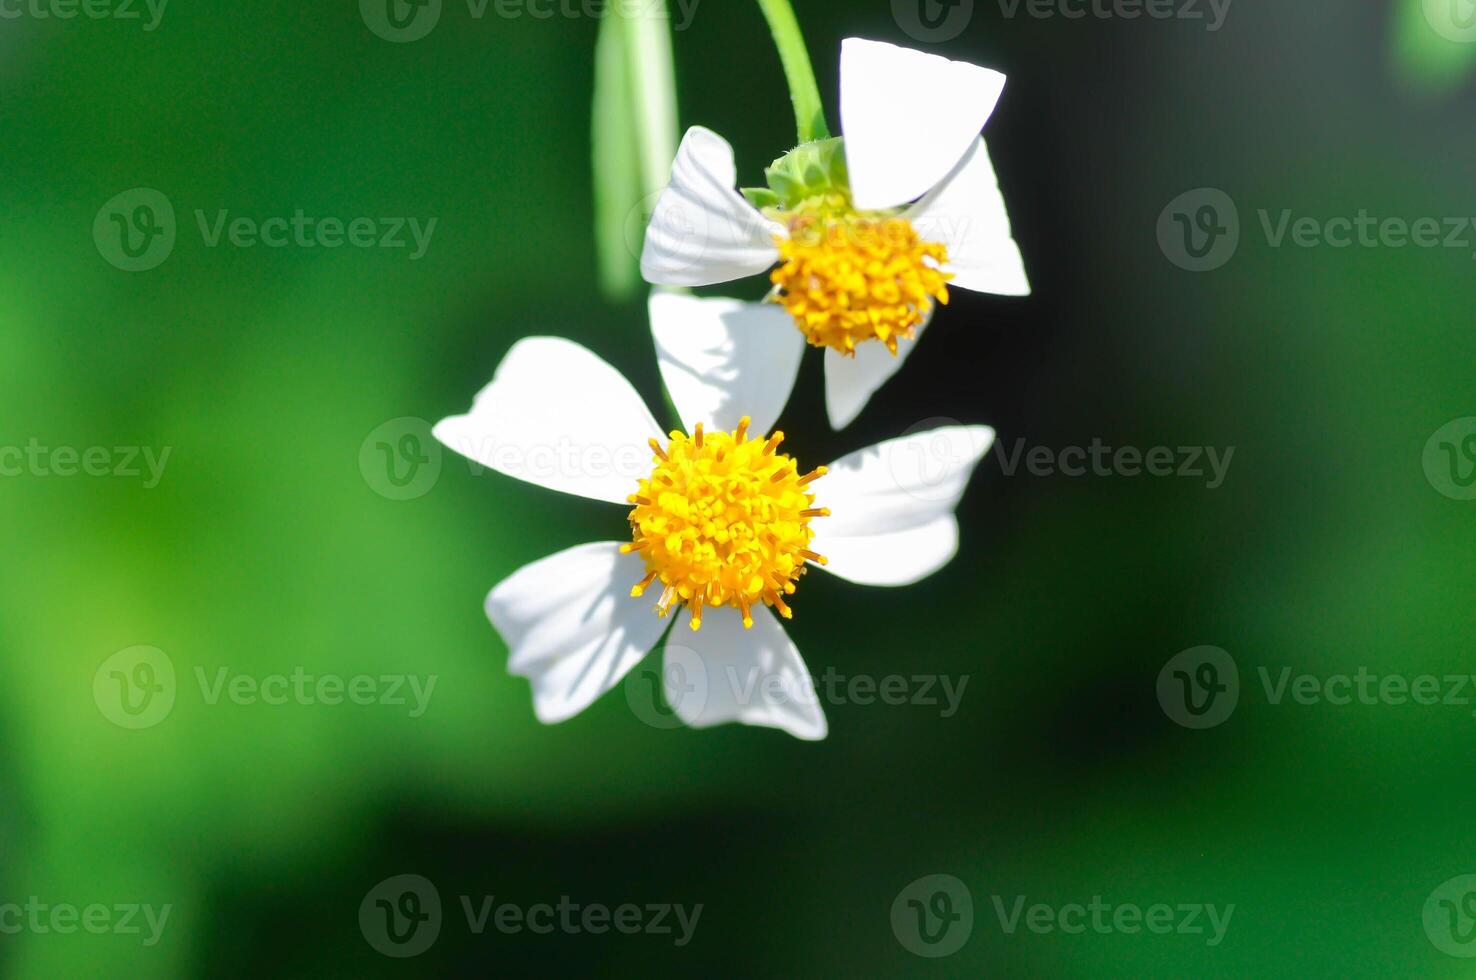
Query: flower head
[717,513]
[724,520]
[864,232]
[847,277]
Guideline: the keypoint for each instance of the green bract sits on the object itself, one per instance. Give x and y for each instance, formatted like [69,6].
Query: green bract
[810,170]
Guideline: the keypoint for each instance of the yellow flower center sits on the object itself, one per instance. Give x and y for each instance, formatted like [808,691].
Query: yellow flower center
[723,520]
[848,277]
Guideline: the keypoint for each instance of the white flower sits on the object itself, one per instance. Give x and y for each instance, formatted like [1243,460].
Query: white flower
[865,238]
[556,415]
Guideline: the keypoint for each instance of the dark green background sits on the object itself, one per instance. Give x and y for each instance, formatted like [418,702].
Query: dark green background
[1060,778]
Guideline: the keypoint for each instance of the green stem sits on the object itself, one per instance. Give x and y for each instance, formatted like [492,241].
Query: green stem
[634,134]
[809,111]
[653,84]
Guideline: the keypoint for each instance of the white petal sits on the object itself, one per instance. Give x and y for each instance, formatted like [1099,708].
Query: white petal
[967,213]
[723,359]
[571,626]
[908,118]
[851,381]
[891,506]
[702,231]
[898,558]
[754,676]
[558,416]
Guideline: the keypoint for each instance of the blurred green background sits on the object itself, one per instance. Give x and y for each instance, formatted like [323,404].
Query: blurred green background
[264,547]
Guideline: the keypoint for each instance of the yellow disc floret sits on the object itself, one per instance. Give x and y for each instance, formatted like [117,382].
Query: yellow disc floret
[848,277]
[723,520]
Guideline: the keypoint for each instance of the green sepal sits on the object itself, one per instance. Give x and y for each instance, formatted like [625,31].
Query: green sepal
[810,170]
[760,197]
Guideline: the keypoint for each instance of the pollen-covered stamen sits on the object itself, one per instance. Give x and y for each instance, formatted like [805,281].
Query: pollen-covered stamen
[849,277]
[723,520]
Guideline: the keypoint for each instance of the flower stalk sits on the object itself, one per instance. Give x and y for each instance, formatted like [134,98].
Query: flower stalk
[633,132]
[809,111]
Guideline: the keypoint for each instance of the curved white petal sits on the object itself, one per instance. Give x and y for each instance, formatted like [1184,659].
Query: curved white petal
[908,118]
[891,506]
[571,626]
[851,381]
[898,558]
[702,231]
[967,213]
[558,416]
[754,676]
[723,359]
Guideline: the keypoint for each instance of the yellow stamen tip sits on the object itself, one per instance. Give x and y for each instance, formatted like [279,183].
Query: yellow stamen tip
[723,520]
[848,277]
